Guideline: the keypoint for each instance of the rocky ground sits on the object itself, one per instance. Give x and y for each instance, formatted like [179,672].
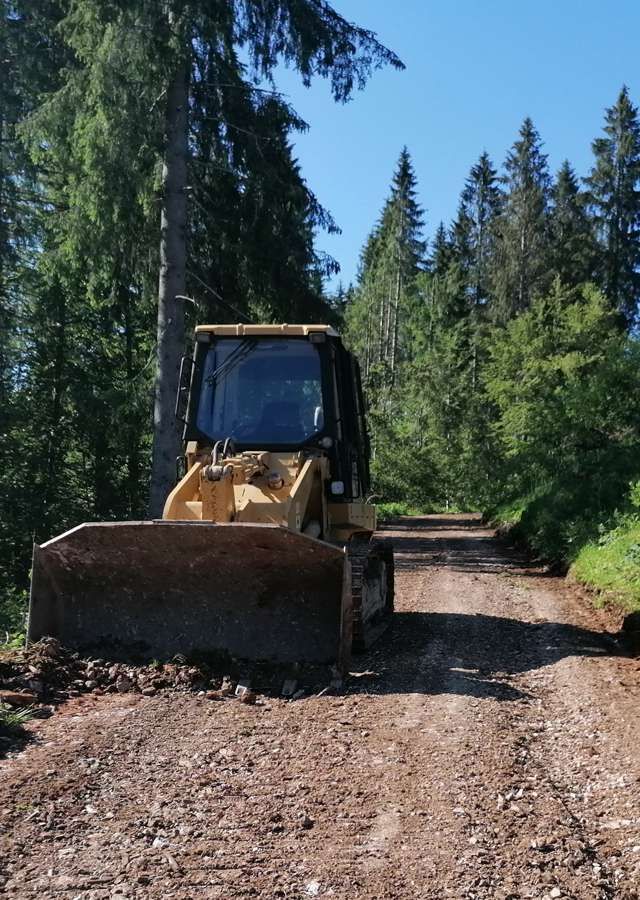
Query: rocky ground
[487,748]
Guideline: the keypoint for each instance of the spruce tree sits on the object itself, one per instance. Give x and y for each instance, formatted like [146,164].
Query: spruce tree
[521,262]
[445,286]
[565,383]
[83,125]
[28,65]
[474,228]
[443,251]
[614,196]
[309,36]
[573,249]
[390,261]
[474,236]
[149,90]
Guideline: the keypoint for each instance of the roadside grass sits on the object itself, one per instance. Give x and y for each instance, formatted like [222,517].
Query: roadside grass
[387,511]
[13,617]
[509,514]
[396,508]
[599,546]
[13,719]
[611,565]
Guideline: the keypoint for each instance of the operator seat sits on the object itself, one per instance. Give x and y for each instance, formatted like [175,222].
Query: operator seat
[280,422]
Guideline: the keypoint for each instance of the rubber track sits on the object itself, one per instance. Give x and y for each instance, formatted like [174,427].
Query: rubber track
[360,551]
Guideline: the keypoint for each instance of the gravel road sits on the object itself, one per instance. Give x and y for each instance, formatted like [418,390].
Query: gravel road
[489,747]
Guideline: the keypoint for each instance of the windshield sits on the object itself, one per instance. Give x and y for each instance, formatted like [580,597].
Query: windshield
[261,391]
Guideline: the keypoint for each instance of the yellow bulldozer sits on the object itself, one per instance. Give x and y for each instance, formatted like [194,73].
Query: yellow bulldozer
[266,550]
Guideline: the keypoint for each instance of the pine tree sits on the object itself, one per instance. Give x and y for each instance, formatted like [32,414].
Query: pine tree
[614,196]
[444,289]
[267,218]
[474,228]
[565,384]
[573,249]
[24,72]
[521,263]
[443,251]
[390,262]
[146,86]
[474,238]
[28,64]
[84,108]
[311,37]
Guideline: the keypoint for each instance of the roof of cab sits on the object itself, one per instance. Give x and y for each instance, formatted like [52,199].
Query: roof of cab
[267,330]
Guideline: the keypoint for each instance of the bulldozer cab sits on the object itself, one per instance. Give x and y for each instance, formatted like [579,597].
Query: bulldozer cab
[286,388]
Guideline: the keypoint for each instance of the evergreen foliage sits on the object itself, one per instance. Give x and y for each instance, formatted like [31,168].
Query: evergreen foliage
[390,261]
[87,91]
[521,264]
[379,322]
[475,228]
[517,387]
[615,200]
[574,252]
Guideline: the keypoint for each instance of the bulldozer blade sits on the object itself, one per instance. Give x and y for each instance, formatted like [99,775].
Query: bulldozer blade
[254,592]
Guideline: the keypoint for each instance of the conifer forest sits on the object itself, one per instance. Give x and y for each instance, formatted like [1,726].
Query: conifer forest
[338,595]
[499,351]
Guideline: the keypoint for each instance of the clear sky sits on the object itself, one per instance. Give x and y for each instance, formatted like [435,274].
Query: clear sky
[475,69]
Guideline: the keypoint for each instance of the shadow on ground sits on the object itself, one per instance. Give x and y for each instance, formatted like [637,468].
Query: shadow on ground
[462,653]
[474,548]
[421,543]
[471,655]
[13,739]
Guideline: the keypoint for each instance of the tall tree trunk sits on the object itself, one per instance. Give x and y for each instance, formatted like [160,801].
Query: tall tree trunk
[387,319]
[132,427]
[173,260]
[381,324]
[395,317]
[54,450]
[522,266]
[367,356]
[396,323]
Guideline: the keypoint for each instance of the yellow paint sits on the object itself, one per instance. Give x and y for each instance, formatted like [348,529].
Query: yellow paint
[179,502]
[265,330]
[243,494]
[345,518]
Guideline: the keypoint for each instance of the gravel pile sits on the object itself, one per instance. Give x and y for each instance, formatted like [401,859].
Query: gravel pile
[47,672]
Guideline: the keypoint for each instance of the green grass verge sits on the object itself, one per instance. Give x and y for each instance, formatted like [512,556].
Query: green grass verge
[387,511]
[13,719]
[611,565]
[600,547]
[13,617]
[508,515]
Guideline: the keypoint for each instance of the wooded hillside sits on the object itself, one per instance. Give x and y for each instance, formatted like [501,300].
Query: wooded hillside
[503,364]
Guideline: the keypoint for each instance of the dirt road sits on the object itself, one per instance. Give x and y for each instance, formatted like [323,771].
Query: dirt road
[489,749]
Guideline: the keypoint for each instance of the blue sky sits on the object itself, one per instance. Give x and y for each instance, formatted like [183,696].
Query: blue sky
[475,69]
